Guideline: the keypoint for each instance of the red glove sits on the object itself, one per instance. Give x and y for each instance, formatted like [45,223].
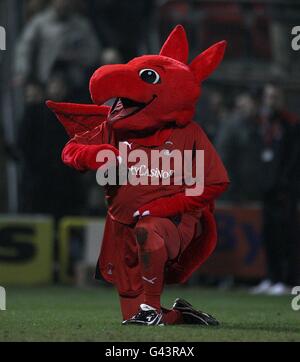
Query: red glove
[83,157]
[180,203]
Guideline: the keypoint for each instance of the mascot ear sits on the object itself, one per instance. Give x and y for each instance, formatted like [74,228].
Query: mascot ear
[208,61]
[176,46]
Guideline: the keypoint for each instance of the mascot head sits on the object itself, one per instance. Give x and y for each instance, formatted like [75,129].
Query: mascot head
[153,91]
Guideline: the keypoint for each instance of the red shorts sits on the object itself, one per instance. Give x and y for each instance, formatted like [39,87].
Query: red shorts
[119,263]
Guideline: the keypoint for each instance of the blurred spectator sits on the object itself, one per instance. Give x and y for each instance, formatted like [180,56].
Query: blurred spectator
[238,144]
[41,139]
[2,165]
[284,17]
[211,112]
[34,94]
[56,35]
[280,159]
[111,56]
[33,7]
[123,24]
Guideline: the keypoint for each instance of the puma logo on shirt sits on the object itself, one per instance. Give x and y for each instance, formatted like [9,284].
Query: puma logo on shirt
[151,281]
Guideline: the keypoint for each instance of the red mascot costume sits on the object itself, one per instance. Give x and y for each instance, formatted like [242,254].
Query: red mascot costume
[155,234]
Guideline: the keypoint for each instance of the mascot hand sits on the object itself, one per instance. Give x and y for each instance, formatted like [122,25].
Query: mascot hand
[87,157]
[95,161]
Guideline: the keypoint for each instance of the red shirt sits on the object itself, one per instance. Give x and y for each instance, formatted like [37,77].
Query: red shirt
[124,200]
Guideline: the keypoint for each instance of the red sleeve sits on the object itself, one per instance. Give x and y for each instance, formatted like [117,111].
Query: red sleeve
[83,157]
[180,203]
[81,152]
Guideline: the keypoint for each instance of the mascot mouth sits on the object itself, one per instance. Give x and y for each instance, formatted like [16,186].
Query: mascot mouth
[125,107]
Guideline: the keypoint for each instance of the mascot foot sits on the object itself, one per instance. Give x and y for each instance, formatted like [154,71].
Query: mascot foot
[147,316]
[193,316]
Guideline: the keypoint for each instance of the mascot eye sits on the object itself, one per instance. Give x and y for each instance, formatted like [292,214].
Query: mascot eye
[150,76]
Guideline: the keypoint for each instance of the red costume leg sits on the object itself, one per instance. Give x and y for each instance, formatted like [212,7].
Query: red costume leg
[130,305]
[172,316]
[158,241]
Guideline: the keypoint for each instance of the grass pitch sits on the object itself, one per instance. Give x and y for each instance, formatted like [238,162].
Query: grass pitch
[66,314]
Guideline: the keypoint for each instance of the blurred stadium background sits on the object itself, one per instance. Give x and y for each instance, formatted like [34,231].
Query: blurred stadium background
[52,218]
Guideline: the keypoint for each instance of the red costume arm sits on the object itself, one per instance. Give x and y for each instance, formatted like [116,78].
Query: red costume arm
[85,123]
[180,203]
[83,157]
[81,152]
